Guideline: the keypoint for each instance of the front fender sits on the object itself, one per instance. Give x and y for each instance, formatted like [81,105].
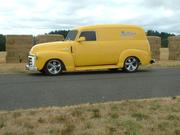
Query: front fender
[143,56]
[65,57]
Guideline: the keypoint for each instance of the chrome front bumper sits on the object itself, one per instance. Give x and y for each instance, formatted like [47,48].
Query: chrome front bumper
[31,63]
[30,68]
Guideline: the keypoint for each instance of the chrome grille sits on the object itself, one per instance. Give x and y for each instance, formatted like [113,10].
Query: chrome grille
[31,61]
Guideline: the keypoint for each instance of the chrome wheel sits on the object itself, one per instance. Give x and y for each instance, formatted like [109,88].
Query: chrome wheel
[53,67]
[131,64]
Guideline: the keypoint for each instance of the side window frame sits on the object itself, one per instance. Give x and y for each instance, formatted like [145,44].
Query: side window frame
[94,34]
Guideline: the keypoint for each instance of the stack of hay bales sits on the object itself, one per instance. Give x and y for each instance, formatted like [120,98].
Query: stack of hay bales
[164,54]
[18,47]
[48,38]
[2,57]
[155,44]
[174,48]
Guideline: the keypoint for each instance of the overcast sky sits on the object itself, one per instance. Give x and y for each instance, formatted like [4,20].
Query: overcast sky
[42,16]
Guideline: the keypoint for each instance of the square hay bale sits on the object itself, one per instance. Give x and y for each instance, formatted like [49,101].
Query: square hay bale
[3,57]
[174,48]
[24,40]
[48,38]
[18,56]
[12,60]
[155,45]
[164,53]
[155,42]
[17,47]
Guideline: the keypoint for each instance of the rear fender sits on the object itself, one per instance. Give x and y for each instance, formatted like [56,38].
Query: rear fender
[143,56]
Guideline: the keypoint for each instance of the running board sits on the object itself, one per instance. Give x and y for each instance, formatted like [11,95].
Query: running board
[96,67]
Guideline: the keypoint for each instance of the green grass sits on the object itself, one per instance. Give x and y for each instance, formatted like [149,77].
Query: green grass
[12,68]
[160,116]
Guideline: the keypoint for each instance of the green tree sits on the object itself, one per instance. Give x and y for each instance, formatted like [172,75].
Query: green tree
[2,43]
[61,32]
[163,35]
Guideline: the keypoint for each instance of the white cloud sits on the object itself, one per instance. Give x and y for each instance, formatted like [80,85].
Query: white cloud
[40,16]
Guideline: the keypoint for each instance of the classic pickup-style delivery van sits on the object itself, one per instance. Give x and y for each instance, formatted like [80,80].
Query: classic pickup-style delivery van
[93,47]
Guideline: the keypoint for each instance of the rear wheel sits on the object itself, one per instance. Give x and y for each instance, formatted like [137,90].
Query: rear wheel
[53,67]
[131,64]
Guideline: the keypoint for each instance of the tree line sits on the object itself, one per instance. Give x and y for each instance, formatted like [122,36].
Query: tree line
[61,32]
[164,37]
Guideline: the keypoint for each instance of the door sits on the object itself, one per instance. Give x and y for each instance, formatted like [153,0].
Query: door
[87,53]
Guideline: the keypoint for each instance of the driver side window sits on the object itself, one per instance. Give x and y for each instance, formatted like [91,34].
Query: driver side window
[89,35]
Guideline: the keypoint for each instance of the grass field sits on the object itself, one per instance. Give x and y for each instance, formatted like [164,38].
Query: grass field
[133,117]
[163,64]
[12,68]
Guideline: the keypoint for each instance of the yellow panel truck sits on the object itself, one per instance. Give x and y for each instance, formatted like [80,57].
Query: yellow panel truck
[93,47]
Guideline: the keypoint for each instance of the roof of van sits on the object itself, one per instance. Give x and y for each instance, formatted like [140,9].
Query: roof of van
[110,26]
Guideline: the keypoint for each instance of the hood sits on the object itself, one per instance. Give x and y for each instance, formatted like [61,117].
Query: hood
[50,46]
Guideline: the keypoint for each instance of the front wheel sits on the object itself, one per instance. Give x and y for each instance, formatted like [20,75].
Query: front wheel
[131,64]
[53,67]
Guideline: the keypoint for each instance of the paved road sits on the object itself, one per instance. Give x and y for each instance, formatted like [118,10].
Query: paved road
[35,90]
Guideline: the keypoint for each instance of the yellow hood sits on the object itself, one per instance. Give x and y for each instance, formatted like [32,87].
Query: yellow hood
[50,46]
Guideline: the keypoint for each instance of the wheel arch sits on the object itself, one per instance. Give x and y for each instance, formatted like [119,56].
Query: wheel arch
[142,56]
[130,67]
[134,57]
[65,58]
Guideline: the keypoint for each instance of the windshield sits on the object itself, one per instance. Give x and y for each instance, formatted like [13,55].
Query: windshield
[71,35]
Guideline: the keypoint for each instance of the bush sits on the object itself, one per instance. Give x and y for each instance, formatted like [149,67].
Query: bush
[2,43]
